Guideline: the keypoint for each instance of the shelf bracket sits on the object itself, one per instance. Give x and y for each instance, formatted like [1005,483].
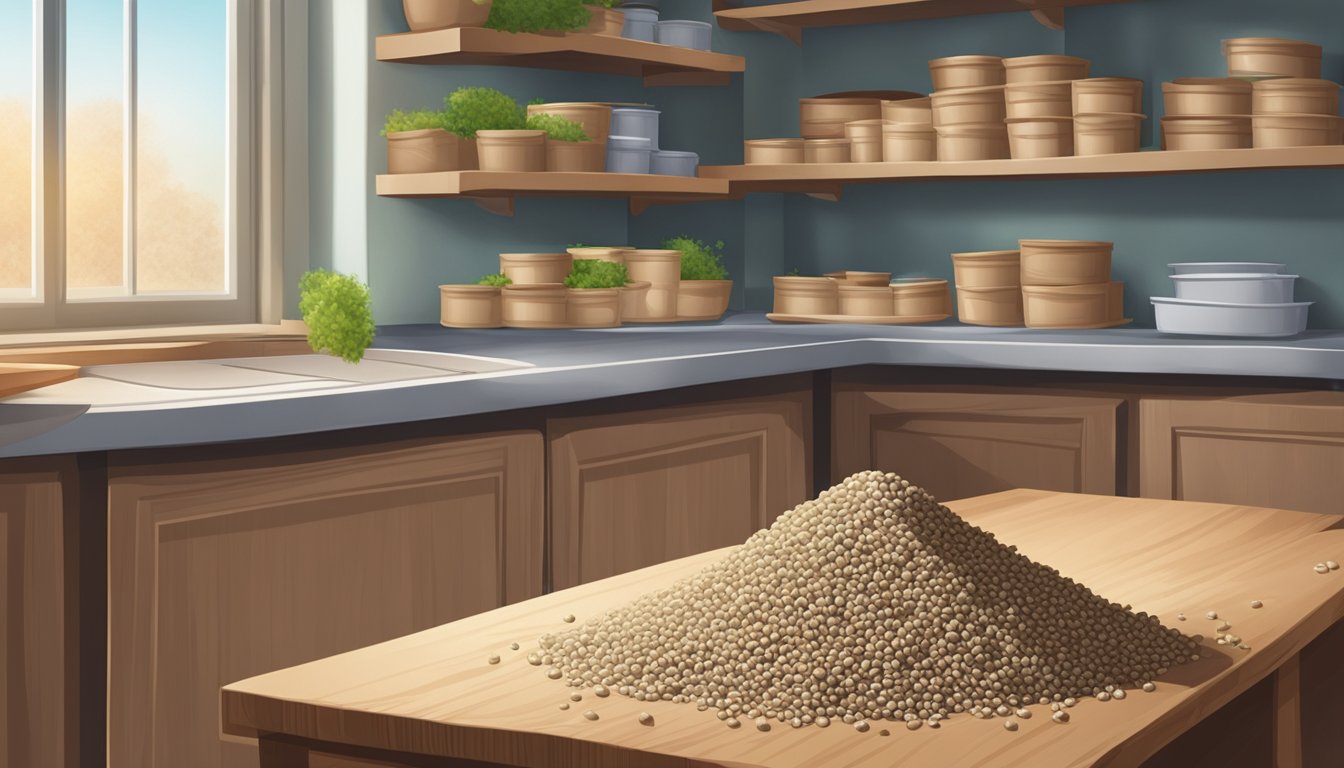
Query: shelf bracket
[1051,18]
[500,206]
[786,31]
[831,195]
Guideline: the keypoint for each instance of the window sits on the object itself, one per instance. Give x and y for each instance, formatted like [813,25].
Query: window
[129,180]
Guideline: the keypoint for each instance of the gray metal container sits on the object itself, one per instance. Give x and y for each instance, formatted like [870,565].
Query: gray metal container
[628,154]
[683,34]
[666,162]
[640,23]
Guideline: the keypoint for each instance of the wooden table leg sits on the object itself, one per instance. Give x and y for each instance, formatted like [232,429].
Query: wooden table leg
[1288,715]
[282,754]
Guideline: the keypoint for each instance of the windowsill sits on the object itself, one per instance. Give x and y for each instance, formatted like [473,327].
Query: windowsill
[186,342]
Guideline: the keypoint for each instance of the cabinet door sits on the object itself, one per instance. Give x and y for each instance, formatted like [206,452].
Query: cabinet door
[221,570]
[634,489]
[1281,451]
[33,498]
[961,444]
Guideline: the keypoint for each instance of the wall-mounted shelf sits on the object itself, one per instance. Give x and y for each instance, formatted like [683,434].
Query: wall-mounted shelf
[657,64]
[495,191]
[790,19]
[827,179]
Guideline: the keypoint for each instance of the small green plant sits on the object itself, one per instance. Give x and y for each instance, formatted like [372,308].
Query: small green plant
[339,314]
[416,120]
[595,273]
[699,261]
[537,15]
[468,110]
[498,280]
[557,128]
[793,273]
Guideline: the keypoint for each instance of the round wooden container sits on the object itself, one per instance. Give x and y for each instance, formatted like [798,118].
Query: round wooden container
[593,307]
[1295,96]
[1101,95]
[1034,137]
[424,15]
[826,151]
[870,300]
[825,118]
[1256,57]
[634,301]
[973,142]
[614,254]
[661,269]
[990,306]
[1043,99]
[703,299]
[1065,306]
[1065,262]
[920,297]
[576,156]
[470,306]
[424,151]
[772,151]
[536,268]
[865,141]
[909,142]
[987,269]
[511,151]
[1206,132]
[966,72]
[1192,96]
[595,118]
[966,106]
[1106,134]
[806,296]
[1036,69]
[535,306]
[852,277]
[912,111]
[1296,130]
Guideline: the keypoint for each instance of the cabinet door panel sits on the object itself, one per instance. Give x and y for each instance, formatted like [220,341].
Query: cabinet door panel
[636,489]
[962,444]
[1280,451]
[223,570]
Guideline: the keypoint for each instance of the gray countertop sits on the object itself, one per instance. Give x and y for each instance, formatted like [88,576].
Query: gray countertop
[570,366]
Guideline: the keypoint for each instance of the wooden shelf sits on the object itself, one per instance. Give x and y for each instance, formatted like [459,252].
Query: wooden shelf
[827,179]
[790,19]
[657,64]
[495,190]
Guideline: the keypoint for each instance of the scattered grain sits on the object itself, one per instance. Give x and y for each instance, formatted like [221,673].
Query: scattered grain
[1257,604]
[494,659]
[1060,717]
[1332,565]
[1149,687]
[1322,568]
[1010,725]
[568,618]
[645,718]
[861,726]
[590,714]
[1211,615]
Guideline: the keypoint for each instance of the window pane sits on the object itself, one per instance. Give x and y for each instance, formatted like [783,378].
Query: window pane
[182,103]
[16,149]
[93,163]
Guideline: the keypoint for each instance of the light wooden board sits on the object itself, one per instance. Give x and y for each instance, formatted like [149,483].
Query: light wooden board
[830,13]
[21,377]
[433,692]
[497,183]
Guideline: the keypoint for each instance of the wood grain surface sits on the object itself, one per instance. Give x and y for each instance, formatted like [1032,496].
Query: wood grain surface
[433,693]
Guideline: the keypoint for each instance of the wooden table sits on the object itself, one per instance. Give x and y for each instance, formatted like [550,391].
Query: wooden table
[425,698]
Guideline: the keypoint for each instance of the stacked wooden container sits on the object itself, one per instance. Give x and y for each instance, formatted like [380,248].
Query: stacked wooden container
[850,296]
[1044,284]
[1273,97]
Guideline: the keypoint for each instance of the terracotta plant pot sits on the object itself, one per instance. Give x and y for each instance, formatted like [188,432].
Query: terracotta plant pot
[595,118]
[772,151]
[920,297]
[825,118]
[1106,134]
[536,268]
[470,306]
[973,142]
[1065,262]
[1043,68]
[1294,96]
[703,299]
[593,307]
[852,277]
[1034,137]
[826,151]
[1065,306]
[1102,95]
[576,156]
[512,151]
[535,306]
[1255,57]
[865,141]
[424,15]
[423,151]
[1296,130]
[1206,132]
[966,72]
[987,269]
[614,254]
[908,111]
[605,21]
[909,142]
[967,106]
[806,296]
[1045,99]
[635,301]
[661,269]
[990,306]
[1191,96]
[867,300]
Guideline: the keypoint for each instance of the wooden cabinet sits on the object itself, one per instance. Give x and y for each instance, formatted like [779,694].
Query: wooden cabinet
[638,488]
[958,444]
[34,646]
[1284,451]
[224,568]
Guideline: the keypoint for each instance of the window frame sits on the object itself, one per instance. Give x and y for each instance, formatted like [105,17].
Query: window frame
[259,32]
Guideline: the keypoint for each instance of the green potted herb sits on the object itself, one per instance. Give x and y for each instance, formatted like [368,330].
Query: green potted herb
[594,299]
[339,314]
[568,147]
[418,143]
[705,288]
[605,19]
[468,111]
[473,306]
[538,16]
[424,15]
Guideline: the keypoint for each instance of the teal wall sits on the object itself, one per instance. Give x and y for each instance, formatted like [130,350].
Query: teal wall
[406,247]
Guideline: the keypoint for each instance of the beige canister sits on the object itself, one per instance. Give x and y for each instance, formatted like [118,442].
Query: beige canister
[593,307]
[1044,99]
[773,151]
[1100,95]
[1296,130]
[990,306]
[856,277]
[826,151]
[534,306]
[963,106]
[511,151]
[1193,96]
[1065,262]
[987,269]
[1045,67]
[867,300]
[612,253]
[635,301]
[973,142]
[1256,57]
[920,297]
[1206,132]
[595,118]
[909,142]
[1035,137]
[806,296]
[825,117]
[536,268]
[865,141]
[1295,96]
[661,269]
[966,72]
[1065,306]
[1105,134]
[470,306]
[910,111]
